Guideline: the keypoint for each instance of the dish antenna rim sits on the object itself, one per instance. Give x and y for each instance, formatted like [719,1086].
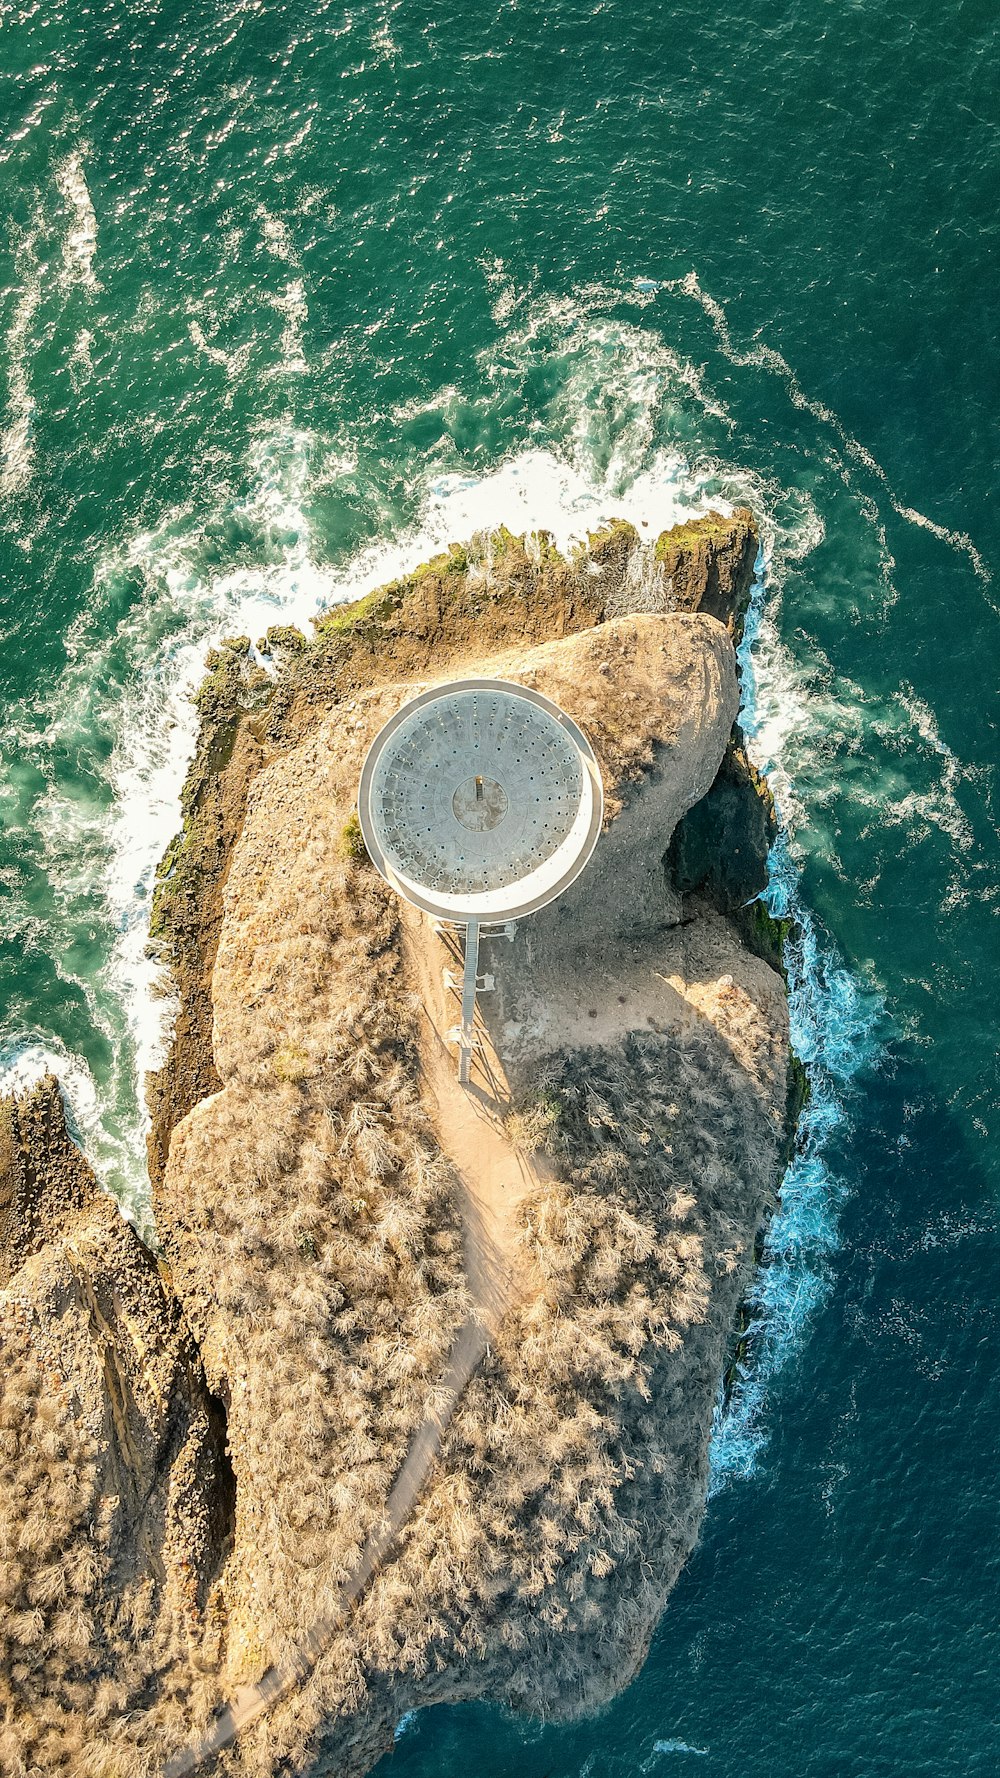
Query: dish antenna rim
[488,906]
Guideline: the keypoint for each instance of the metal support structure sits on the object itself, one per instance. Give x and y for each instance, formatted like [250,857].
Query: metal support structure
[467,1027]
[469,984]
[506,930]
[485,983]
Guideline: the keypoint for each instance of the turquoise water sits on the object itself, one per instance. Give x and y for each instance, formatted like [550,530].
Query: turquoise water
[289,294]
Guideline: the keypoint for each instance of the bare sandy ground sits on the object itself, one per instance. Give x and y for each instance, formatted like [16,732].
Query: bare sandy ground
[468,1121]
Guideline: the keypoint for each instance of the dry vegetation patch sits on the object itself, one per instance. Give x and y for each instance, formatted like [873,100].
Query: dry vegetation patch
[576,1463]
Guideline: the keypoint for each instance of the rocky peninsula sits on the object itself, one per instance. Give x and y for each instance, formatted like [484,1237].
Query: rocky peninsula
[412,1402]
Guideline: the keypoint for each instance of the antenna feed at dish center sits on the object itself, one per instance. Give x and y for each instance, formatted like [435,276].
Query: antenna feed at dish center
[480,802]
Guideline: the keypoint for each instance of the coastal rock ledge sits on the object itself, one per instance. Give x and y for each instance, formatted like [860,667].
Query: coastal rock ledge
[412,1403]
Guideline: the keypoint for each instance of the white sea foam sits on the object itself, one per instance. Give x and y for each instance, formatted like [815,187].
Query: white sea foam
[215,353]
[26,1057]
[80,244]
[804,713]
[835,1031]
[277,240]
[384,44]
[93,776]
[16,451]
[291,302]
[79,248]
[939,806]
[81,365]
[503,306]
[170,633]
[532,491]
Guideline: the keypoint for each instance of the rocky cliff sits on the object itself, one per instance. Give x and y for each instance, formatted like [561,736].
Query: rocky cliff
[415,1403]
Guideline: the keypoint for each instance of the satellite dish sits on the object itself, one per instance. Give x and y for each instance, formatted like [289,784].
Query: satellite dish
[480,802]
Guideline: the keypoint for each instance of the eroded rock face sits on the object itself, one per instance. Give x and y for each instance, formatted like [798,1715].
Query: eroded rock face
[115,1490]
[721,845]
[708,566]
[331,1236]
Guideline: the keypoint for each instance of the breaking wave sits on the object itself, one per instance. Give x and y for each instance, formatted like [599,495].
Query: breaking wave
[80,244]
[836,1026]
[16,450]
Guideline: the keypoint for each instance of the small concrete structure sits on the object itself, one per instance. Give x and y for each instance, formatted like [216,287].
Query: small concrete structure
[480,802]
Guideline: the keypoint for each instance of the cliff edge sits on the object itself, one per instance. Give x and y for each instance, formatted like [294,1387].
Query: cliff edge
[415,1404]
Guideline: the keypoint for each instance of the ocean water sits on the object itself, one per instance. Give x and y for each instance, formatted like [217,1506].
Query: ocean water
[289,295]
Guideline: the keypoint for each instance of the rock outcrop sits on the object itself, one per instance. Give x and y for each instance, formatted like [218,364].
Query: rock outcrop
[415,1405]
[116,1495]
[499,591]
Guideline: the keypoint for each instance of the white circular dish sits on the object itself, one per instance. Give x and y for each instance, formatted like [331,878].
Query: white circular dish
[480,800]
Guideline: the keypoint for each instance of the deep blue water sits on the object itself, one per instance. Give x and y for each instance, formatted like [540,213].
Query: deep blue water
[289,293]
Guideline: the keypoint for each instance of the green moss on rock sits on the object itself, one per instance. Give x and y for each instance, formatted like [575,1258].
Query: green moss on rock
[799,1091]
[708,565]
[345,620]
[616,531]
[352,840]
[765,933]
[712,528]
[284,637]
[454,560]
[542,545]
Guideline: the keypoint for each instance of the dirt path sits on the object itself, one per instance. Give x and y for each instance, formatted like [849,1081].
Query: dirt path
[468,1121]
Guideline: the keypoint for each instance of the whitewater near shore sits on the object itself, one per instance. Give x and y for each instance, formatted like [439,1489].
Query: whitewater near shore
[414,1402]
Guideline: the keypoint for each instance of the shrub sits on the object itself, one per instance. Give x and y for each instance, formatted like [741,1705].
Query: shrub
[531,1126]
[352,840]
[292,1064]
